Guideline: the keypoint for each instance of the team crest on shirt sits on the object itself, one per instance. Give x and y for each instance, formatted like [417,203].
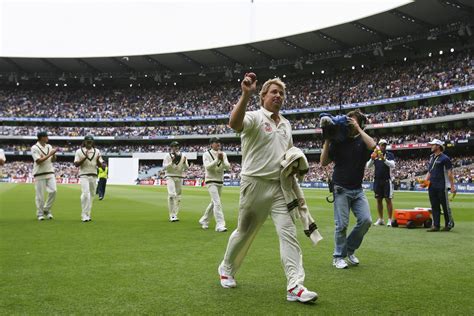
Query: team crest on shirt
[267,127]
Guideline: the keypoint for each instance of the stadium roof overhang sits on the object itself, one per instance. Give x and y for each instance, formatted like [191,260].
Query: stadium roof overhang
[410,26]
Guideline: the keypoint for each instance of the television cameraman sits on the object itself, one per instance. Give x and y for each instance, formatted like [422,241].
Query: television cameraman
[350,157]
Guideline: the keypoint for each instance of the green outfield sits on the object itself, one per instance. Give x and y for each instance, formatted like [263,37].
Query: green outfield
[131,260]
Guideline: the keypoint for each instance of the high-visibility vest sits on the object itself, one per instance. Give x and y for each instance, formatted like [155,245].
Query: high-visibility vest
[103,172]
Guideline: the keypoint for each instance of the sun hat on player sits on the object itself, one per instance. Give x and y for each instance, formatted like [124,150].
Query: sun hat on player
[89,137]
[383,141]
[174,143]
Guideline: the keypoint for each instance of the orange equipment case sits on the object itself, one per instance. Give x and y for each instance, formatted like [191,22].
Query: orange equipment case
[413,218]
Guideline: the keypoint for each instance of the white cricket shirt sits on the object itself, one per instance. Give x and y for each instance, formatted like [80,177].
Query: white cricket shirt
[89,166]
[172,169]
[44,170]
[264,144]
[214,167]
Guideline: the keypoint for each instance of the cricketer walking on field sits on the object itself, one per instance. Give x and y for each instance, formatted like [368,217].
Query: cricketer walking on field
[266,137]
[43,171]
[215,162]
[175,164]
[87,158]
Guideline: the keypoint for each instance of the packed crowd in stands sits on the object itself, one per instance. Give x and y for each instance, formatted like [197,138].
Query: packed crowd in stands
[421,112]
[424,137]
[397,139]
[179,128]
[406,169]
[348,86]
[24,169]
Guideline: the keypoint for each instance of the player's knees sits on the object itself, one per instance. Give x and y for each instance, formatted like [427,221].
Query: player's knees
[287,233]
[340,228]
[171,196]
[365,222]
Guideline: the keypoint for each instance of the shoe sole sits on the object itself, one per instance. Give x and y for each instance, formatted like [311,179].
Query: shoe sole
[346,267]
[222,284]
[297,299]
[228,286]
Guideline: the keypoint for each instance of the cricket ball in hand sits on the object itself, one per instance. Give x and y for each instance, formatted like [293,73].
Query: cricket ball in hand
[252,76]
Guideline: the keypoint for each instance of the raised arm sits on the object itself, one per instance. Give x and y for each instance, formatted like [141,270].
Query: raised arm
[324,159]
[369,141]
[236,121]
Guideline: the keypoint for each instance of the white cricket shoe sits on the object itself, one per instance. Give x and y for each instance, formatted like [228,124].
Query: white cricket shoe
[204,225]
[353,259]
[40,218]
[339,263]
[389,223]
[379,222]
[174,218]
[86,219]
[221,229]
[50,216]
[227,281]
[301,294]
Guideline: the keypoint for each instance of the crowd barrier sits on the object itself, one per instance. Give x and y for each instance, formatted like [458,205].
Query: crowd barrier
[460,187]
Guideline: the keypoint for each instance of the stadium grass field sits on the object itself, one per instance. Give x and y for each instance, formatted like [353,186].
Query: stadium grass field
[131,260]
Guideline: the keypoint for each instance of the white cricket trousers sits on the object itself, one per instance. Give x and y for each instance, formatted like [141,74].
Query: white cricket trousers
[42,187]
[215,207]
[174,194]
[88,187]
[258,199]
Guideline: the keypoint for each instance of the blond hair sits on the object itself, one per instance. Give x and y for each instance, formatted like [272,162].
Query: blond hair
[266,87]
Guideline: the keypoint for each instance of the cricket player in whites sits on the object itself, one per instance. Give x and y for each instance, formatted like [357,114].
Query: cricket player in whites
[87,158]
[45,182]
[215,162]
[266,136]
[175,164]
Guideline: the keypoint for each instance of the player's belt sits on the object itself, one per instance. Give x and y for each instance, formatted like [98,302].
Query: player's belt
[43,173]
[217,182]
[88,174]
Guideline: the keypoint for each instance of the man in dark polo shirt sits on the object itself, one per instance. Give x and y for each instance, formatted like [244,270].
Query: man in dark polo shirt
[439,171]
[350,157]
[383,161]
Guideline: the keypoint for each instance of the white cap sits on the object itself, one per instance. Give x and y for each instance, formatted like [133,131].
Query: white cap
[437,142]
[383,141]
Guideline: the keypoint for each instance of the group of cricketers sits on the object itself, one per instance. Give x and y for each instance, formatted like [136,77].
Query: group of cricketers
[87,158]
[266,137]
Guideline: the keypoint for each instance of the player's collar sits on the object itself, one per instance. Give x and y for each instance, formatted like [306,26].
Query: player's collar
[269,113]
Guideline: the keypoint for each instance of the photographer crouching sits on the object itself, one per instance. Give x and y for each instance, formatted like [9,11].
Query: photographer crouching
[349,147]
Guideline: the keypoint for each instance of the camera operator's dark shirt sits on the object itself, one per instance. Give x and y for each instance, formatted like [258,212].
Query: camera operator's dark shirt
[350,157]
